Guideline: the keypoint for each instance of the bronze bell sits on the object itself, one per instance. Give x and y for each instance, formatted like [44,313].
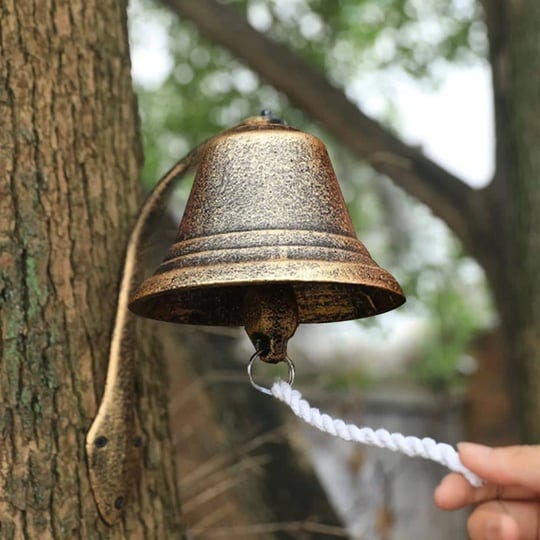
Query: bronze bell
[266,242]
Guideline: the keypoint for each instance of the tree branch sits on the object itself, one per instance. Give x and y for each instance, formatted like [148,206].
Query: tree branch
[496,19]
[448,197]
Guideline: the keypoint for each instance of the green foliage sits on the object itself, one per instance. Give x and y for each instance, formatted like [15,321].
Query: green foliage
[346,37]
[345,380]
[207,90]
[453,326]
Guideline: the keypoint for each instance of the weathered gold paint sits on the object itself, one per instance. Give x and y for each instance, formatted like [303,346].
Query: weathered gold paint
[265,209]
[114,442]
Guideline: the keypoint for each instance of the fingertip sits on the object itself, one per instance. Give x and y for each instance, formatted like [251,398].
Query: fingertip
[439,496]
[509,528]
[453,492]
[510,465]
[478,459]
[471,453]
[492,521]
[501,527]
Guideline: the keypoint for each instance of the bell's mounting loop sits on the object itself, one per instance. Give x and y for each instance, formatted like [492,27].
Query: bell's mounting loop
[264,390]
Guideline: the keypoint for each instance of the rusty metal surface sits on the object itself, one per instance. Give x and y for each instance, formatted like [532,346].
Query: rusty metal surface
[270,317]
[114,442]
[266,208]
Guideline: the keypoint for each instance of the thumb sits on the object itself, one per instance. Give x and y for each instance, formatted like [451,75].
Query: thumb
[507,466]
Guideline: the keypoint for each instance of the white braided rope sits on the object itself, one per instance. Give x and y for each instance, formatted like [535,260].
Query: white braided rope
[411,446]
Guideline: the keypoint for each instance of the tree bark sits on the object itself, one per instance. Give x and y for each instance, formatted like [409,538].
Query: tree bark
[69,161]
[522,266]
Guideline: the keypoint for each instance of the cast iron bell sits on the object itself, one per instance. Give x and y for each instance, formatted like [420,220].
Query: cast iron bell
[266,242]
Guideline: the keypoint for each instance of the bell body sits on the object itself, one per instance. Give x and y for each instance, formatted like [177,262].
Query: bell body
[265,209]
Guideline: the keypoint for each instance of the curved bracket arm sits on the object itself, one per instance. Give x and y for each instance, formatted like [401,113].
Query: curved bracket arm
[114,443]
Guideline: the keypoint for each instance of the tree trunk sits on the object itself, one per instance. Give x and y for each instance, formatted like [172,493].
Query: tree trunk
[522,67]
[69,160]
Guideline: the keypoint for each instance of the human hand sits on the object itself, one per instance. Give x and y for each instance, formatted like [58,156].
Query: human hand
[508,505]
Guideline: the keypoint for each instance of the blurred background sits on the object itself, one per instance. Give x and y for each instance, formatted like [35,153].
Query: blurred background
[434,367]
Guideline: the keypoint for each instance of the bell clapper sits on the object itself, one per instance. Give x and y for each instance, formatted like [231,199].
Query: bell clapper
[270,318]
[270,315]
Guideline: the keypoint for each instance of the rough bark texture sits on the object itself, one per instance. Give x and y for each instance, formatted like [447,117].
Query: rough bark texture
[69,160]
[523,188]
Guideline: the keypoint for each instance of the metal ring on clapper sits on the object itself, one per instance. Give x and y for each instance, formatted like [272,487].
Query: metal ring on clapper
[290,378]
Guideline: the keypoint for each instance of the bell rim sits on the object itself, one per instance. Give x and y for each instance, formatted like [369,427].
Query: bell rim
[184,280]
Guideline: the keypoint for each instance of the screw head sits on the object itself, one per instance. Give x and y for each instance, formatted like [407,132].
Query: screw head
[101,441]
